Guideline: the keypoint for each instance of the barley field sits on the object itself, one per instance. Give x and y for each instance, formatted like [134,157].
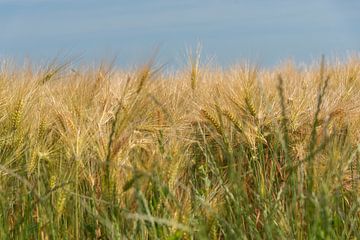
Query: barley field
[199,153]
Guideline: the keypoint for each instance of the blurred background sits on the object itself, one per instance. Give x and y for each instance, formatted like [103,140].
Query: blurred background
[230,31]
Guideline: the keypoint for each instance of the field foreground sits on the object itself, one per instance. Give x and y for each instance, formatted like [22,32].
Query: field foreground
[204,153]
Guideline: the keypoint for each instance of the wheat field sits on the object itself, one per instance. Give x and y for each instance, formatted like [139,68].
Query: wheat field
[199,153]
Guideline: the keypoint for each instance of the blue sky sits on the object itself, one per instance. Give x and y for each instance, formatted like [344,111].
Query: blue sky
[265,32]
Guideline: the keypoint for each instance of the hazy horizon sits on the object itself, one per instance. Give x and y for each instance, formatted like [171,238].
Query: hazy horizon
[230,31]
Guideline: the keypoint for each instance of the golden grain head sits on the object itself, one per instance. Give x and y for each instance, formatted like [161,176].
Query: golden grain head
[233,119]
[212,119]
[250,106]
[17,114]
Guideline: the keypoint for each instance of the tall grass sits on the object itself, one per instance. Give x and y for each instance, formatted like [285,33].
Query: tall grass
[110,154]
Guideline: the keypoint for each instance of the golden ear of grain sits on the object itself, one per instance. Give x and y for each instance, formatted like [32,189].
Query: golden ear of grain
[60,119]
[41,130]
[250,106]
[118,144]
[173,173]
[66,123]
[144,75]
[232,119]
[47,77]
[193,77]
[16,115]
[18,140]
[194,59]
[212,119]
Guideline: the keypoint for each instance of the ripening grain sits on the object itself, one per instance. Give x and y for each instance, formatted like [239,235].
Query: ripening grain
[203,153]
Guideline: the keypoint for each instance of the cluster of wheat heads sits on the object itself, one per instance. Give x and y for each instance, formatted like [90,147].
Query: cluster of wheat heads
[241,153]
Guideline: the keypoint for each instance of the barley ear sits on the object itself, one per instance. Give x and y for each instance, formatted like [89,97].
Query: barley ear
[32,163]
[212,119]
[41,130]
[17,115]
[60,204]
[213,230]
[232,118]
[194,60]
[142,78]
[250,106]
[52,181]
